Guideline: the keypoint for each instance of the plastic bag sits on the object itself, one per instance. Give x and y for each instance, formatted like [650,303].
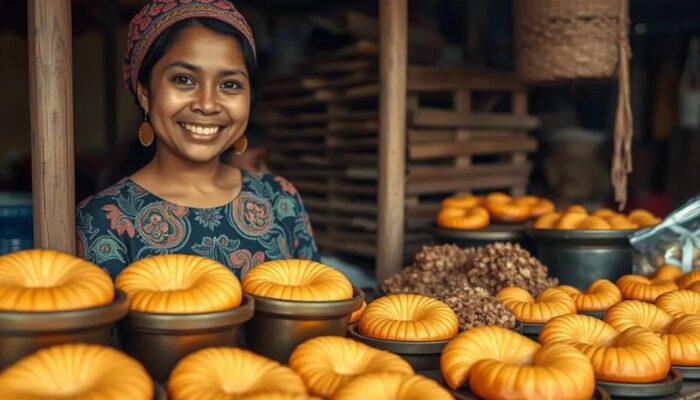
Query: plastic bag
[675,241]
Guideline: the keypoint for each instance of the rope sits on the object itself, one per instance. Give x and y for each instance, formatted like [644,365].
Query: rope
[622,156]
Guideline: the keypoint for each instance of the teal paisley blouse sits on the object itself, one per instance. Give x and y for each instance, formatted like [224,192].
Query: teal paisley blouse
[125,222]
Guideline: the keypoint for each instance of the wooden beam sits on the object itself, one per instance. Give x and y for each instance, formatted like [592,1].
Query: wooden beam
[468,147]
[393,23]
[435,117]
[422,79]
[51,106]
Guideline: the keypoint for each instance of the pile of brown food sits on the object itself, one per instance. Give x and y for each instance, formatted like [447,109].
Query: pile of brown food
[439,268]
[435,269]
[502,265]
[474,306]
[468,279]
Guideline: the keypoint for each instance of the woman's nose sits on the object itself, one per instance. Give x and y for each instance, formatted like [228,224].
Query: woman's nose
[206,100]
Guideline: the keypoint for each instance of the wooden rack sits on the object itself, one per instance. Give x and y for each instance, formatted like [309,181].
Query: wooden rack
[466,130]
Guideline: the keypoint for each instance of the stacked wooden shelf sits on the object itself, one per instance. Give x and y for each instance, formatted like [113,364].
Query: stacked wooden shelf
[466,132]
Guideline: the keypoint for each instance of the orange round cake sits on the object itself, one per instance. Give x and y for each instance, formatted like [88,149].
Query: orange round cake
[463,218]
[637,287]
[392,385]
[601,295]
[298,280]
[635,355]
[408,317]
[498,363]
[179,284]
[326,363]
[76,371]
[549,304]
[48,280]
[231,373]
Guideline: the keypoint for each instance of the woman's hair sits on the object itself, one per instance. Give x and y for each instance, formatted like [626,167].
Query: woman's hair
[161,45]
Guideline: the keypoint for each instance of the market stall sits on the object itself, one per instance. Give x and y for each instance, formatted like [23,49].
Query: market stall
[515,284]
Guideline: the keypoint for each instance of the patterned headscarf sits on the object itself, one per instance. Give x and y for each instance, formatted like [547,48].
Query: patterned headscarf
[158,15]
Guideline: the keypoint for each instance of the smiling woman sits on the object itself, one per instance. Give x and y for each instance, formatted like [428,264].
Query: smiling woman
[192,66]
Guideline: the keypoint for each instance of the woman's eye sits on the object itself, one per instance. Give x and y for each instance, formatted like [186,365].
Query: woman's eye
[231,85]
[182,80]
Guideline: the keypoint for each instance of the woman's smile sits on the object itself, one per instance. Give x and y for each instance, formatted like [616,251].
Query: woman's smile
[201,132]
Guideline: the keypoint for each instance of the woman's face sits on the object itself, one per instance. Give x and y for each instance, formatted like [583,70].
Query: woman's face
[199,100]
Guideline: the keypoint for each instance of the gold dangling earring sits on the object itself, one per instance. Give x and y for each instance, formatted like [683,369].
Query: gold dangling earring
[241,145]
[146,134]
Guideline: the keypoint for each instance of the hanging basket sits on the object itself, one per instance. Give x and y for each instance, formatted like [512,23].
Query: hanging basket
[565,40]
[569,40]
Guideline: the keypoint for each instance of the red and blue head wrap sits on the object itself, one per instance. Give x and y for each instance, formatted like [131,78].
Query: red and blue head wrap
[158,15]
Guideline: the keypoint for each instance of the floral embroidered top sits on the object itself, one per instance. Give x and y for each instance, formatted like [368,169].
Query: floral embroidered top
[266,221]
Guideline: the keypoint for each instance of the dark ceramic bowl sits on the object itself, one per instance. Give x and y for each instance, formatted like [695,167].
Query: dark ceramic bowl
[23,333]
[279,326]
[579,257]
[159,340]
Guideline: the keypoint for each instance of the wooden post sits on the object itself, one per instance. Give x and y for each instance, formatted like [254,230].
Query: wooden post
[51,107]
[393,21]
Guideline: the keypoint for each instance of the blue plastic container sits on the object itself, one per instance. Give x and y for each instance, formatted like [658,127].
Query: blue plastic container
[16,228]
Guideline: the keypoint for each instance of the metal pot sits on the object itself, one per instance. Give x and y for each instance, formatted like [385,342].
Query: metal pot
[159,341]
[578,257]
[24,332]
[280,325]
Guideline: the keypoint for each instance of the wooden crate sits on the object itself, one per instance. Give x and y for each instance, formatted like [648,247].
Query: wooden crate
[475,140]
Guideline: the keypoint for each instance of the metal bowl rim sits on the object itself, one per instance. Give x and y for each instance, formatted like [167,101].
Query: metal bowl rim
[592,234]
[529,327]
[595,314]
[646,389]
[38,321]
[310,309]
[193,321]
[688,367]
[519,327]
[694,372]
[599,393]
[516,233]
[410,347]
[399,346]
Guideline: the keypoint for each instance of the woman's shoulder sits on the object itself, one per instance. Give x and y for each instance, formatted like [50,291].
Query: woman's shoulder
[277,183]
[122,189]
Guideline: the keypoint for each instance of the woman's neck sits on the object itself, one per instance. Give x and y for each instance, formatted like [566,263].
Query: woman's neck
[187,183]
[174,170]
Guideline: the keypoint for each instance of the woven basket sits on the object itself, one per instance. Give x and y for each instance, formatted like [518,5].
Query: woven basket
[564,40]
